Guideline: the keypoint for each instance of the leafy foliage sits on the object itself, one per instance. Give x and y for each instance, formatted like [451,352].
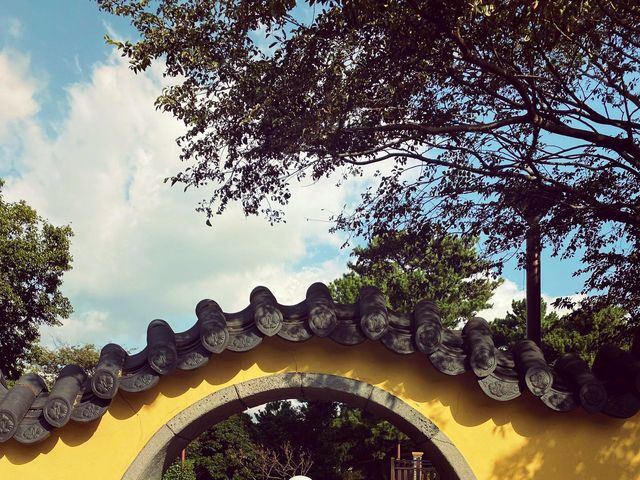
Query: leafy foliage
[512,328]
[444,269]
[581,331]
[223,451]
[320,439]
[476,114]
[48,362]
[360,446]
[177,471]
[585,331]
[33,257]
[280,422]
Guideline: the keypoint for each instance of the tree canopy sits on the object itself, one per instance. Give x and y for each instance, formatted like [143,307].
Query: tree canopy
[474,114]
[581,331]
[446,270]
[33,257]
[47,362]
[222,451]
[330,441]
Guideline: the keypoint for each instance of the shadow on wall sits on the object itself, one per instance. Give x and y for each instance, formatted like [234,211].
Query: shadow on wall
[554,445]
[220,370]
[599,450]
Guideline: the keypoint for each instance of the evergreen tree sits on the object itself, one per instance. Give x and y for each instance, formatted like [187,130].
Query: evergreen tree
[224,452]
[582,331]
[444,269]
[340,441]
[177,471]
[280,422]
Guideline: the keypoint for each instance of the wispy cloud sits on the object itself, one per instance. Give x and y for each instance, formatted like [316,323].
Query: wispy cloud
[17,92]
[11,27]
[140,250]
[509,291]
[77,65]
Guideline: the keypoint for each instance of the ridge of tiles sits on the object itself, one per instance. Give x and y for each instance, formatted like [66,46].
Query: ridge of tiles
[29,412]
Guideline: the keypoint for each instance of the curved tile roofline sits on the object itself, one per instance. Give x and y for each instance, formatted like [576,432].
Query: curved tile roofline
[29,412]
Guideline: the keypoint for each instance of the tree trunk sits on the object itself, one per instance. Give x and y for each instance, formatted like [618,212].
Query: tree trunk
[534,307]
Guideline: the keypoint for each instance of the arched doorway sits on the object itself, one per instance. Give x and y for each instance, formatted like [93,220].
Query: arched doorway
[186,425]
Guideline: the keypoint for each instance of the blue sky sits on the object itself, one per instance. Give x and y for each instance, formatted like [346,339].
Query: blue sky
[62,39]
[81,142]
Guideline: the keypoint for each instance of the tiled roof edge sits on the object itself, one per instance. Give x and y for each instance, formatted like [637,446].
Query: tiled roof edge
[29,412]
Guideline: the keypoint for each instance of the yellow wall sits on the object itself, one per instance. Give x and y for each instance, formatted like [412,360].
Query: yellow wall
[521,439]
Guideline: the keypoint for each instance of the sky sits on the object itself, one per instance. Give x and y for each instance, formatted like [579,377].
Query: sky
[81,142]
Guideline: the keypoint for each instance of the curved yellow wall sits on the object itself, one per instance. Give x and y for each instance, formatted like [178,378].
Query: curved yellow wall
[521,439]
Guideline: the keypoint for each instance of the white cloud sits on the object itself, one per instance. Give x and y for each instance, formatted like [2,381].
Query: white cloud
[77,65]
[83,328]
[140,250]
[15,28]
[11,27]
[509,291]
[17,92]
[111,32]
[501,301]
[288,285]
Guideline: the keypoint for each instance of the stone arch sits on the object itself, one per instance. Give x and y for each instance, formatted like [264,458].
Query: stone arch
[185,426]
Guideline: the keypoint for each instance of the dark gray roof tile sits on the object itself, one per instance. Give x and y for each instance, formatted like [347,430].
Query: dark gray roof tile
[29,413]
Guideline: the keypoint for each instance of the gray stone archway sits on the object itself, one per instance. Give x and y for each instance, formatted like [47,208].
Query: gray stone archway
[167,442]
